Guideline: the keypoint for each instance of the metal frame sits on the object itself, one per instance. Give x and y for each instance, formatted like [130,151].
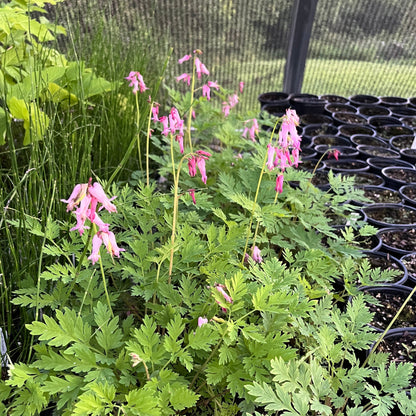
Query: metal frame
[300,34]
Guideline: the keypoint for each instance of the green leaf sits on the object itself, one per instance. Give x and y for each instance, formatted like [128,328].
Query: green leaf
[182,398]
[143,403]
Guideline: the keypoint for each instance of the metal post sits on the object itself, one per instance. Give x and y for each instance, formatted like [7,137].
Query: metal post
[302,22]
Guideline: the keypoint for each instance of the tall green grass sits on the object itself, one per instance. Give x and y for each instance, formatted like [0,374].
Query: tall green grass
[86,140]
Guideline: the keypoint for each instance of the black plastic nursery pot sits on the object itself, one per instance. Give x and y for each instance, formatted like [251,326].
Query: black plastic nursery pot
[378,163]
[367,151]
[390,215]
[394,101]
[332,98]
[364,139]
[379,195]
[344,152]
[409,261]
[307,103]
[363,99]
[408,194]
[332,108]
[409,155]
[403,141]
[403,112]
[397,176]
[330,139]
[388,131]
[346,165]
[387,301]
[341,118]
[314,118]
[363,179]
[348,130]
[313,130]
[378,121]
[398,241]
[373,110]
[274,98]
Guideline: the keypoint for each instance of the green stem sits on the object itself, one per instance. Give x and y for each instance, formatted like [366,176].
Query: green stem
[78,269]
[189,121]
[176,174]
[148,145]
[138,131]
[257,194]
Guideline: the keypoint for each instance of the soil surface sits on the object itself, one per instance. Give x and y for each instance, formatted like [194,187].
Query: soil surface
[392,215]
[387,307]
[380,195]
[400,239]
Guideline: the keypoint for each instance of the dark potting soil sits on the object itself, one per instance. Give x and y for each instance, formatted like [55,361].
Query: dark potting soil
[400,239]
[410,264]
[387,307]
[380,195]
[407,176]
[392,215]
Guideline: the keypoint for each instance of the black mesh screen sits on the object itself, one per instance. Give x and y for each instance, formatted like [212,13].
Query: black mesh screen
[356,47]
[365,47]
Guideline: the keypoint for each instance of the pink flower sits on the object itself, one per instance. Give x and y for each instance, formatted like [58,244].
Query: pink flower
[155,112]
[76,196]
[185,58]
[192,193]
[136,81]
[271,151]
[233,100]
[200,68]
[202,321]
[192,166]
[241,86]
[135,359]
[213,84]
[96,244]
[102,226]
[165,123]
[334,153]
[220,289]
[206,92]
[253,130]
[256,255]
[109,241]
[185,78]
[97,192]
[198,161]
[226,109]
[279,184]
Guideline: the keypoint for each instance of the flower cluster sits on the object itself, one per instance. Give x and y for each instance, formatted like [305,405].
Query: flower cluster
[136,81]
[286,153]
[172,124]
[86,197]
[197,160]
[252,130]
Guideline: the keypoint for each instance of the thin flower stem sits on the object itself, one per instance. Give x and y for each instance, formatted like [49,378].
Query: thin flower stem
[257,194]
[78,269]
[105,287]
[148,145]
[176,174]
[138,131]
[189,121]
